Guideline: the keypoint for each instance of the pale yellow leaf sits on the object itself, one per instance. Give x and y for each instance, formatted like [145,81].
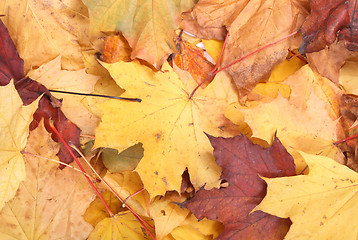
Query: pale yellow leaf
[321,205]
[14,127]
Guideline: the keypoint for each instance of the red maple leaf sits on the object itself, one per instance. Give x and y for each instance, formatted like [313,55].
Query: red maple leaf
[243,163]
[329,20]
[12,67]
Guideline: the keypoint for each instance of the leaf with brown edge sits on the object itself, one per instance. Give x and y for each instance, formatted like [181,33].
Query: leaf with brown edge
[329,20]
[242,165]
[12,67]
[271,20]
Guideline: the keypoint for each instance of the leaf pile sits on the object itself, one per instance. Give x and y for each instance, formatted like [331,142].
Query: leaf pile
[252,148]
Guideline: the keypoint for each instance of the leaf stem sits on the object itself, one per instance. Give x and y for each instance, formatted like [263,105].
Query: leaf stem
[97,95]
[136,215]
[243,57]
[346,139]
[82,169]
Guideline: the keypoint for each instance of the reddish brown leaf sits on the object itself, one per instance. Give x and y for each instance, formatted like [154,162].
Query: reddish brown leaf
[329,20]
[12,67]
[191,58]
[243,163]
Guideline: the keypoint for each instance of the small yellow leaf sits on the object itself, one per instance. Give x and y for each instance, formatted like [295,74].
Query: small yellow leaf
[127,183]
[213,47]
[122,226]
[14,127]
[318,204]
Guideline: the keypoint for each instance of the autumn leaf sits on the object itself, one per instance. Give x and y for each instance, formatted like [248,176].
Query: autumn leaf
[272,21]
[148,26]
[328,21]
[50,203]
[14,127]
[168,123]
[191,58]
[243,163]
[53,77]
[319,203]
[122,226]
[29,90]
[307,121]
[43,30]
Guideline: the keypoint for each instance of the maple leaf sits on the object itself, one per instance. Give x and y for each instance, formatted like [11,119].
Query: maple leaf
[168,123]
[272,20]
[14,127]
[43,30]
[29,90]
[319,203]
[53,77]
[242,163]
[307,121]
[328,21]
[50,201]
[148,26]
[122,226]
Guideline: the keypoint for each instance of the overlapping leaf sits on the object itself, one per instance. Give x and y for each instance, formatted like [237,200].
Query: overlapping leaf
[243,163]
[43,30]
[168,123]
[319,204]
[14,127]
[148,26]
[50,203]
[307,121]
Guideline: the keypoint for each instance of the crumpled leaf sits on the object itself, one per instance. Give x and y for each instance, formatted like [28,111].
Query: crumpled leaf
[168,124]
[148,26]
[329,61]
[272,20]
[243,163]
[191,58]
[122,226]
[53,77]
[308,121]
[319,203]
[328,21]
[50,203]
[42,30]
[14,127]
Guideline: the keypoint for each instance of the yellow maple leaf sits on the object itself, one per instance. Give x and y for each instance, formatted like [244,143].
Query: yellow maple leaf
[53,77]
[42,30]
[148,26]
[122,226]
[14,127]
[169,124]
[307,121]
[50,203]
[321,205]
